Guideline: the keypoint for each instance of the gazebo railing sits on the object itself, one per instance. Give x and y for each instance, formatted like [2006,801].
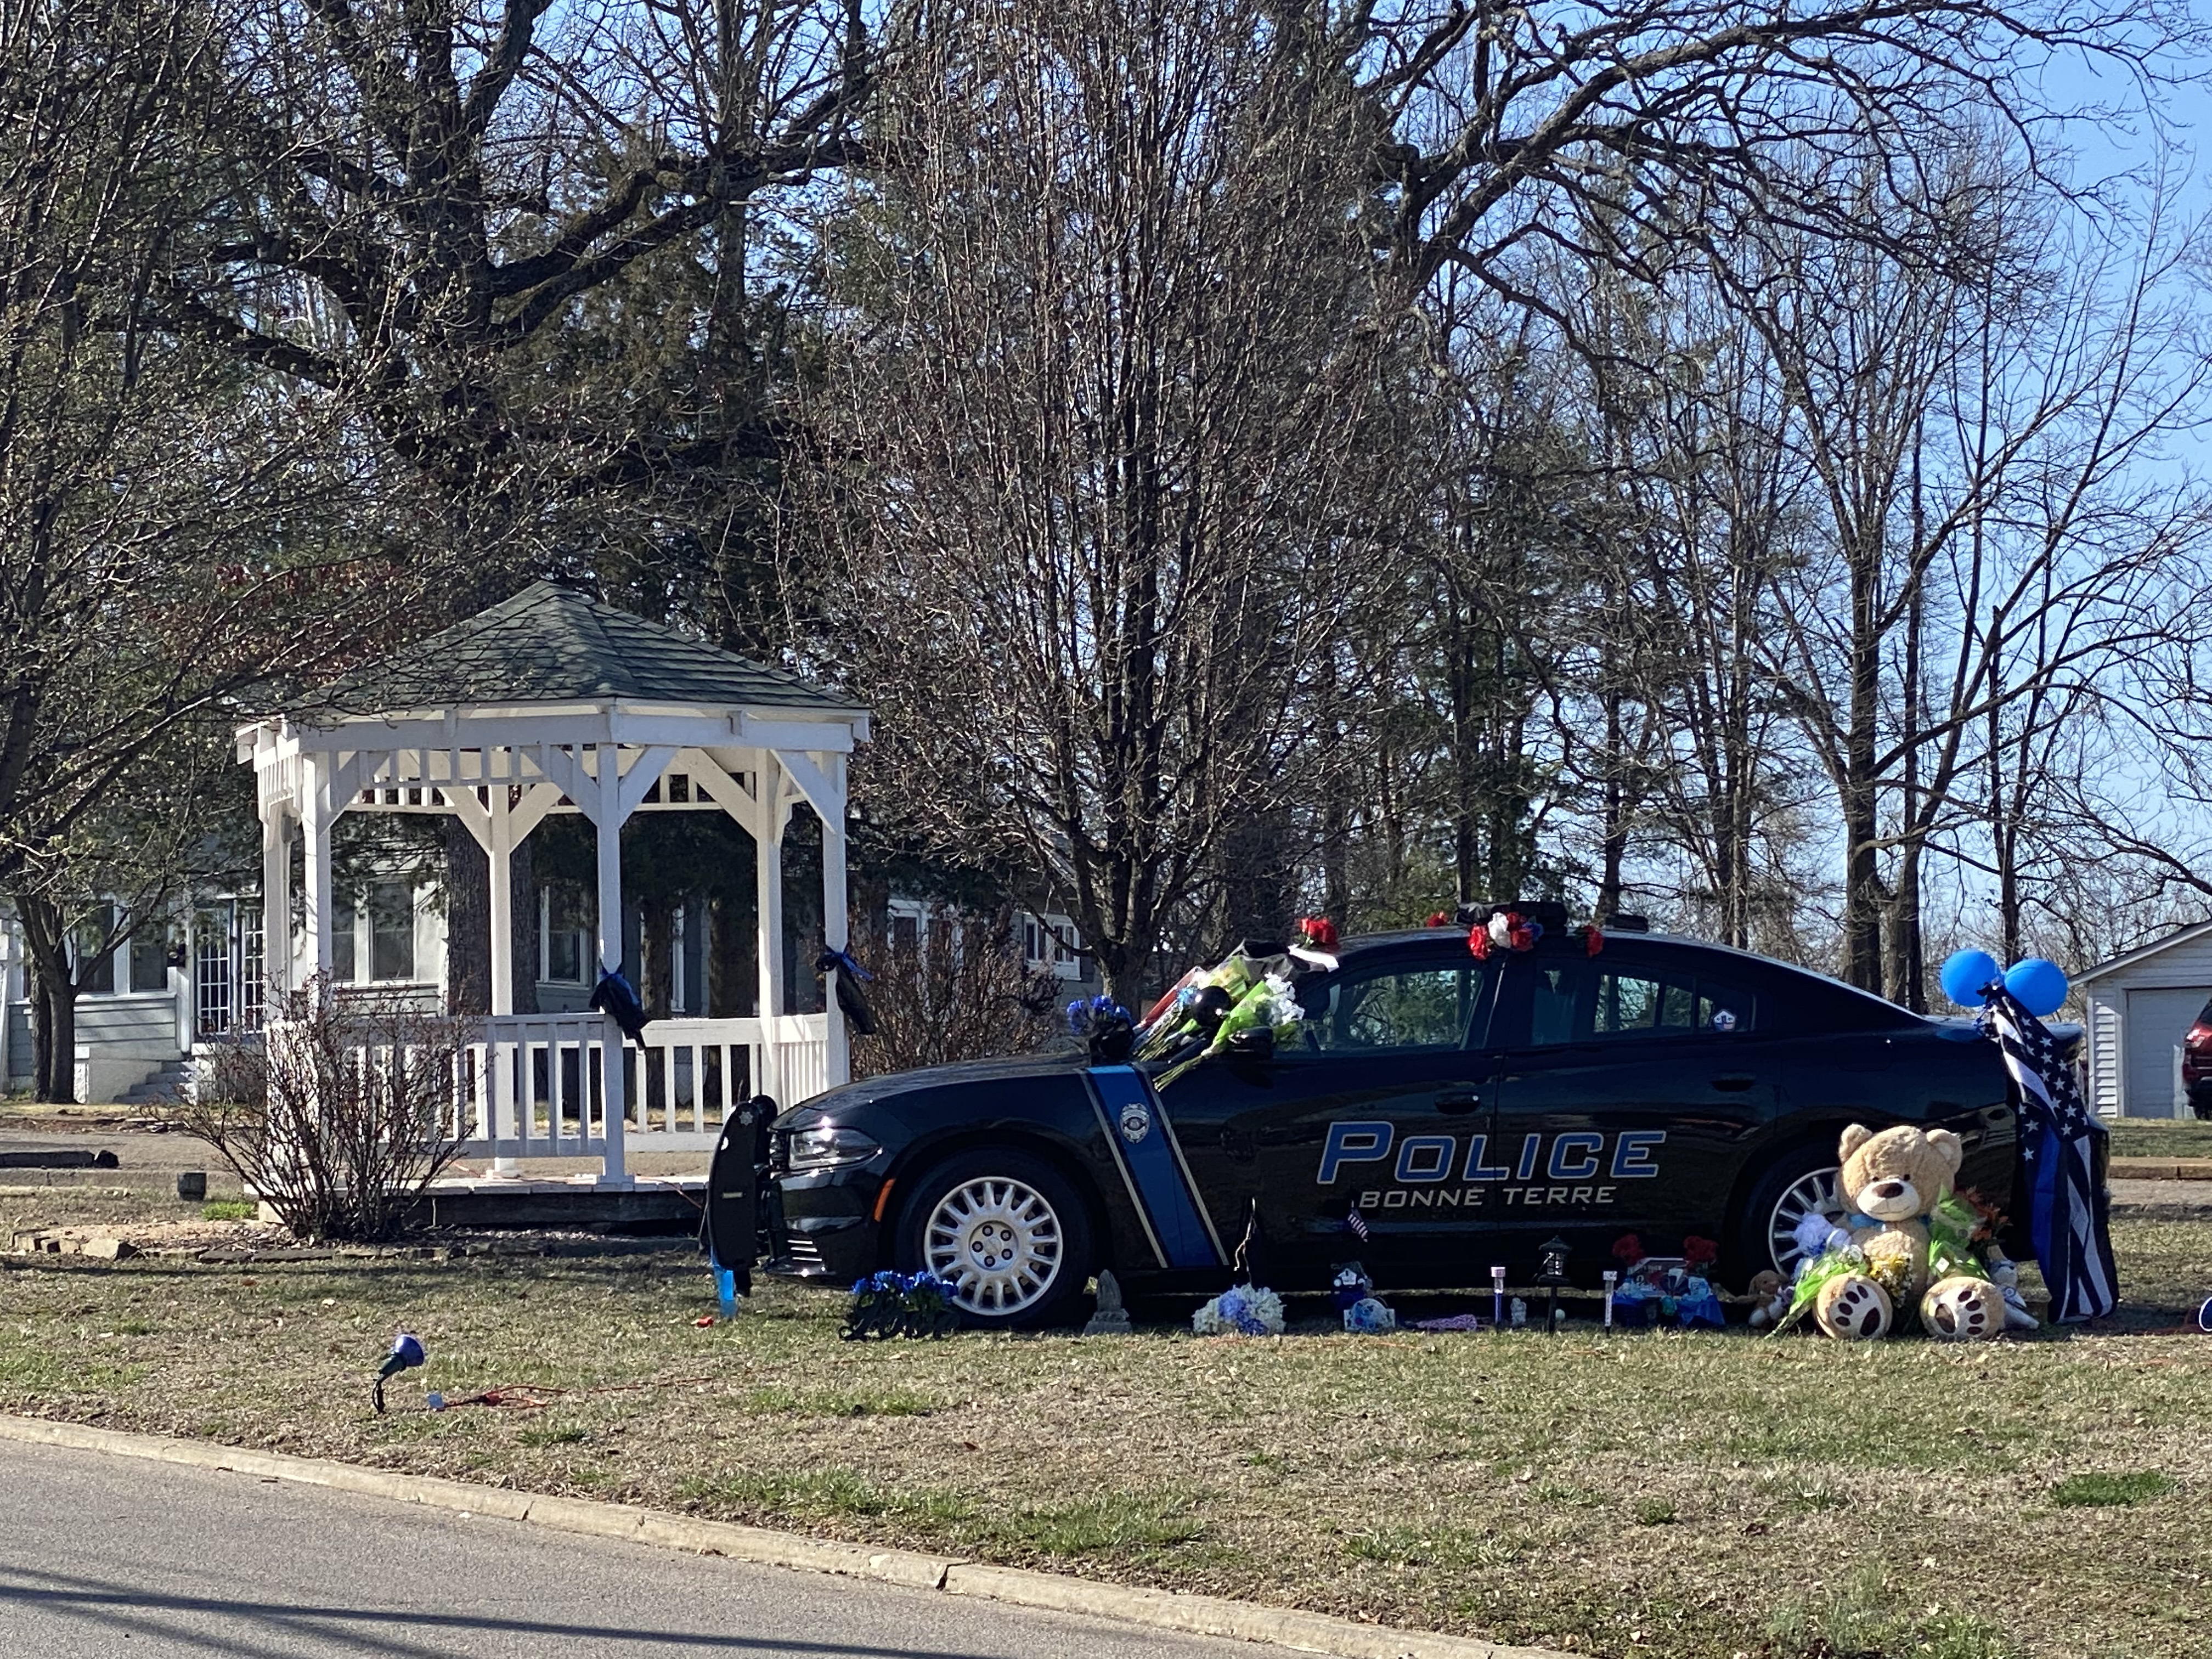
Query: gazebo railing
[536,1086]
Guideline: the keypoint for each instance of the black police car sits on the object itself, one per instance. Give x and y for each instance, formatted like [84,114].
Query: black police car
[1465,1109]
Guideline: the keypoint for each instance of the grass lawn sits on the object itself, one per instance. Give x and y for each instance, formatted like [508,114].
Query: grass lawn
[1703,1495]
[2141,1137]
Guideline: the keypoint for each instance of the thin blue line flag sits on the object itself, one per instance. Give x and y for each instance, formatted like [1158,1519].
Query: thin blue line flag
[2062,1151]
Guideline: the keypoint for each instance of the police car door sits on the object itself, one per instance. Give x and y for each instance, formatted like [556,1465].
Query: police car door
[1630,1085]
[1371,1110]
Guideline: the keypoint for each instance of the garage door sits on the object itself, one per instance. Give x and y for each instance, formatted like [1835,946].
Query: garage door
[2156,1023]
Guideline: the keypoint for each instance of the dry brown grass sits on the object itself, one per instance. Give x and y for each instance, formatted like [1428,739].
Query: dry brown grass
[1655,1493]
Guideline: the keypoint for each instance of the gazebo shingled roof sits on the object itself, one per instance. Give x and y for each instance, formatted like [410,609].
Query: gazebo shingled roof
[551,644]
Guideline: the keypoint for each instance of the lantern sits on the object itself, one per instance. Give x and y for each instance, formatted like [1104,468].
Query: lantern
[1550,1273]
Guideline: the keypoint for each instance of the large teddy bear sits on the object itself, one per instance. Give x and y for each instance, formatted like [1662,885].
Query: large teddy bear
[1893,1183]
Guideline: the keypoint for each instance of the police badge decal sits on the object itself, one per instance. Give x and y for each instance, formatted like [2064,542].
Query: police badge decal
[1136,1121]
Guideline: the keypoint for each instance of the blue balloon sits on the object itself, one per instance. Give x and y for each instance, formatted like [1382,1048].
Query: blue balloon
[2040,986]
[1967,974]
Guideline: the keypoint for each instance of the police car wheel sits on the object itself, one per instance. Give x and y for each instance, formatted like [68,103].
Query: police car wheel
[1793,1187]
[1007,1231]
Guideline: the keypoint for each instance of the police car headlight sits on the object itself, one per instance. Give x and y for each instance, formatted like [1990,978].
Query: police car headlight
[828,1146]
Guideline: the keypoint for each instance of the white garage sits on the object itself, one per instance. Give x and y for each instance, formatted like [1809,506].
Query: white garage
[2137,1007]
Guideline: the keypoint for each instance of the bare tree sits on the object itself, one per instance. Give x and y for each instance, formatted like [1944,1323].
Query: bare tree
[1117,410]
[958,989]
[1615,134]
[1984,551]
[425,196]
[163,527]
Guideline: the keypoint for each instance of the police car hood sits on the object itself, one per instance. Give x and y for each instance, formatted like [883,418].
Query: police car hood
[877,1090]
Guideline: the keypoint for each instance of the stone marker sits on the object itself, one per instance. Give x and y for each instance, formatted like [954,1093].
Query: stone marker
[110,1249]
[192,1185]
[1111,1319]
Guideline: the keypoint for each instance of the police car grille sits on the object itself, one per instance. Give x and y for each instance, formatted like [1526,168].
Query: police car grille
[805,1252]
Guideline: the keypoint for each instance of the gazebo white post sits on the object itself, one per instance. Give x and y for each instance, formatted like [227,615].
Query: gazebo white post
[316,817]
[275,908]
[836,922]
[607,821]
[768,893]
[498,847]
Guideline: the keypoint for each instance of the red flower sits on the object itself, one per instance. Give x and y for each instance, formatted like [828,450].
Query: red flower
[1593,940]
[1700,1252]
[1438,919]
[1628,1248]
[1318,933]
[1478,940]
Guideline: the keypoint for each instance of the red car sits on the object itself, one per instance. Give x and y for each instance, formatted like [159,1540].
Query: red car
[2196,1064]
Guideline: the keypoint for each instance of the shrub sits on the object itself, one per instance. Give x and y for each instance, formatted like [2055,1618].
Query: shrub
[340,1115]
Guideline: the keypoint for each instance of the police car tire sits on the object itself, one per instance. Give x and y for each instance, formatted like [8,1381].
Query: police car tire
[1072,1216]
[1753,1251]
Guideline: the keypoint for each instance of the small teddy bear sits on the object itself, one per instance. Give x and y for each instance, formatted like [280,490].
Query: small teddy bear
[1892,1182]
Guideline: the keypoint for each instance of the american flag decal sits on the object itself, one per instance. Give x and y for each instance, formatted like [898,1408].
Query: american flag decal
[1357,1223]
[2061,1145]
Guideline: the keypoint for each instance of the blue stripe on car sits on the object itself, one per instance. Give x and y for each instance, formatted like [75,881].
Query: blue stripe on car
[1153,1166]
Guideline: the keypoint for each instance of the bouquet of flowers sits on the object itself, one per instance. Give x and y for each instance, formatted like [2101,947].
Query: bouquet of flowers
[1197,1006]
[1265,1014]
[1241,1311]
[1317,943]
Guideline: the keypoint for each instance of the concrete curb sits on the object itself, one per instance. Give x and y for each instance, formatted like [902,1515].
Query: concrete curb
[2160,1168]
[1195,1615]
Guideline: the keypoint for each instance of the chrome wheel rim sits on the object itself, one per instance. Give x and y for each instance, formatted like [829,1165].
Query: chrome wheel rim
[1811,1194]
[997,1241]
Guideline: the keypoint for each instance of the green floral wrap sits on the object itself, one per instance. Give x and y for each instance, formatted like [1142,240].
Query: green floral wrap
[1829,1265]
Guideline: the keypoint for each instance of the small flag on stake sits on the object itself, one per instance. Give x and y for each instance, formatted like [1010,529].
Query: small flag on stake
[1357,1223]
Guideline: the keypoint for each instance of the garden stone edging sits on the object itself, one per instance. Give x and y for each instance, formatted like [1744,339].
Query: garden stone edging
[1195,1615]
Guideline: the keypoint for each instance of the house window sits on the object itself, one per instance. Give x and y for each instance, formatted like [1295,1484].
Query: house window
[252,980]
[150,957]
[392,931]
[1047,946]
[344,962]
[564,930]
[95,953]
[212,981]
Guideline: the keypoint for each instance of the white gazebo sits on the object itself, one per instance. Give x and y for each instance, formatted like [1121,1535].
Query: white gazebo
[553,702]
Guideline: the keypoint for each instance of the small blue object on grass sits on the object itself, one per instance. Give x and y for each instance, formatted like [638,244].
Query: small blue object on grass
[726,1289]
[1967,974]
[406,1354]
[2039,985]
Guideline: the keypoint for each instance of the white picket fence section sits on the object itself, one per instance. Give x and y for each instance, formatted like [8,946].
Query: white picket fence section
[539,1086]
[536,1085]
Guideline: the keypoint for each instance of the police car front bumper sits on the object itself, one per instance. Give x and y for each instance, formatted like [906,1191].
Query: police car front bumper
[831,1235]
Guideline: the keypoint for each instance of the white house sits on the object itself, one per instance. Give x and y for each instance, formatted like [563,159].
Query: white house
[2138,1006]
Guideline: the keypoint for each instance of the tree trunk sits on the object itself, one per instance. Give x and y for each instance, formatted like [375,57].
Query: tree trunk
[1614,830]
[522,888]
[42,1043]
[53,1017]
[656,949]
[733,958]
[468,922]
[1859,795]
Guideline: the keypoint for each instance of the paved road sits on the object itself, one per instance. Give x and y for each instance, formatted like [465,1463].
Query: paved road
[121,1559]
